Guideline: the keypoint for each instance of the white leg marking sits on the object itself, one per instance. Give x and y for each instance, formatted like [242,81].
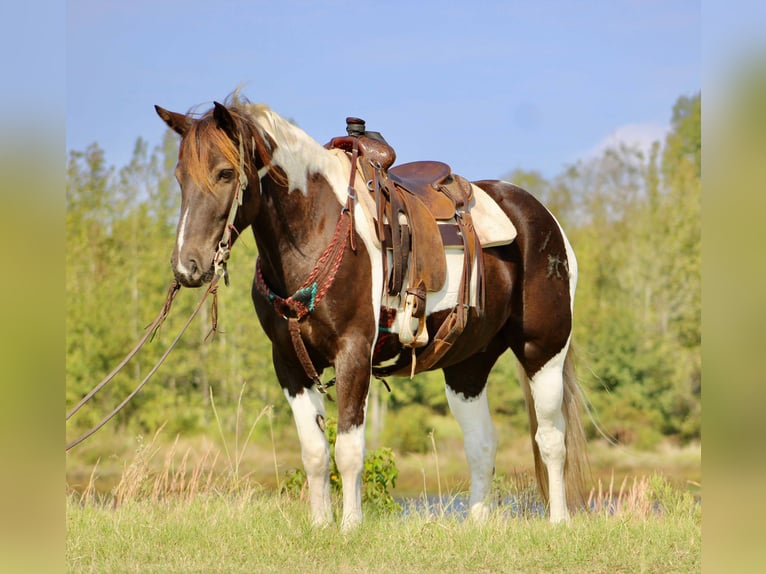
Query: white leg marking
[548,392]
[480,442]
[349,456]
[315,452]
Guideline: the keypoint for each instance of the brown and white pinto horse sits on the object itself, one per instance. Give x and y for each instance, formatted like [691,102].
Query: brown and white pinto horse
[293,197]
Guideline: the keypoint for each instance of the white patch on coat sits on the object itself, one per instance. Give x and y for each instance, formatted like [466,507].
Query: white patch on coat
[296,153]
[548,392]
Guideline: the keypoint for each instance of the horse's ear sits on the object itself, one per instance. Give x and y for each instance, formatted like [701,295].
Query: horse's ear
[225,120]
[179,123]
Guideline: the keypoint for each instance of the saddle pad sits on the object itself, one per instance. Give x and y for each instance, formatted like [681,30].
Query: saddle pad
[492,225]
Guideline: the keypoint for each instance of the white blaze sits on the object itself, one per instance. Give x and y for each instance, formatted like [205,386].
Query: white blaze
[180,242]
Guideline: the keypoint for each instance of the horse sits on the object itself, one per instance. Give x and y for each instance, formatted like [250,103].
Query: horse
[241,165]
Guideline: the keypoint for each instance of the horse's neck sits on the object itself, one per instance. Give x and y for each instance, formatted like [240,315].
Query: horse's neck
[294,151]
[299,212]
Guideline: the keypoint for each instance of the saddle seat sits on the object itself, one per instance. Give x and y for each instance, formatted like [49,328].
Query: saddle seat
[425,179]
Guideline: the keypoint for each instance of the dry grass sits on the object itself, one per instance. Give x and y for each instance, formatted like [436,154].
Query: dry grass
[158,472]
[183,507]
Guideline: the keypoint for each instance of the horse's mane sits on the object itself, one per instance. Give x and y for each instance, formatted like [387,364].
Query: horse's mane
[265,135]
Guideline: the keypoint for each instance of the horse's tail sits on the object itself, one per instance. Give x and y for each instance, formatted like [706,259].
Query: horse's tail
[576,466]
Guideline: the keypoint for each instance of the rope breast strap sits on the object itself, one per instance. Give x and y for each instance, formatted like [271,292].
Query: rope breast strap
[296,307]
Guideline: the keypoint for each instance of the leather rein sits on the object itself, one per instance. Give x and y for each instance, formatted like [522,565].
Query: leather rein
[219,264]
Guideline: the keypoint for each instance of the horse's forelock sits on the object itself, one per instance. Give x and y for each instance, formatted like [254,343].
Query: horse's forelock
[204,138]
[258,125]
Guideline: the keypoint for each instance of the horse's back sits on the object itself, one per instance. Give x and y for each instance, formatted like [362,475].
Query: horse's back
[517,203]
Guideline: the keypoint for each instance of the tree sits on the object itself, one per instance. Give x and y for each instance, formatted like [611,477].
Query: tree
[637,236]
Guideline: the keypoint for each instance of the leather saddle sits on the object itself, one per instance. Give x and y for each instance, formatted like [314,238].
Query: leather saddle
[421,208]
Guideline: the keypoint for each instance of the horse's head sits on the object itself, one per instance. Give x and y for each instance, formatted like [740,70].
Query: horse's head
[213,165]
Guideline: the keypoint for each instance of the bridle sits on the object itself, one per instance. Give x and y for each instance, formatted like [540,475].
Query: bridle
[224,245]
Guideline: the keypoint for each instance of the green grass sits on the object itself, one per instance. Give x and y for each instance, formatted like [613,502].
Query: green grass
[182,508]
[184,517]
[259,532]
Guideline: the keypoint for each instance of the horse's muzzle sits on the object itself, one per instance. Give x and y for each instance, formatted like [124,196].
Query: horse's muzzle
[189,273]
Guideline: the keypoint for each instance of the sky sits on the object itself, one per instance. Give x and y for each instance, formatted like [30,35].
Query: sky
[487,86]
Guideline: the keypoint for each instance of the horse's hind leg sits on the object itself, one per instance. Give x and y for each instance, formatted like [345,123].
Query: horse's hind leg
[547,388]
[467,397]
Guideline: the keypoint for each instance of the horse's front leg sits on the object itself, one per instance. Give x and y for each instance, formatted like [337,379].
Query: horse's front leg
[308,409]
[352,370]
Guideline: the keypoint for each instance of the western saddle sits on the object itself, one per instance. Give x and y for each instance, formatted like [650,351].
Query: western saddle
[421,208]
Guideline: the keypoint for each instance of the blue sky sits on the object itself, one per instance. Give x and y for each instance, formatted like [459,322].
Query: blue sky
[487,86]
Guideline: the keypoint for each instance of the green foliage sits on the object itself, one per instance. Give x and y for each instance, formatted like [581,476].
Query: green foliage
[407,428]
[635,226]
[378,477]
[671,500]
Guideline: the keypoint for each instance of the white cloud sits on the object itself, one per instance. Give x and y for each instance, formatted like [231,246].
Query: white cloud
[638,135]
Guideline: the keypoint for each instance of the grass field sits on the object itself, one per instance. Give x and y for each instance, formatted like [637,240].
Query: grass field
[176,510]
[260,532]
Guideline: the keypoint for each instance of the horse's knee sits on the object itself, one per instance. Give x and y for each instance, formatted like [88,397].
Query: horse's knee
[316,458]
[550,441]
[349,451]
[308,411]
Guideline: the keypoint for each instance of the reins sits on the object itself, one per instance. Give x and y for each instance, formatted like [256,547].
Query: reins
[154,326]
[151,329]
[219,264]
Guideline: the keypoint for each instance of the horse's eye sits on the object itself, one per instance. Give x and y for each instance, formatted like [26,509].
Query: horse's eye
[225,175]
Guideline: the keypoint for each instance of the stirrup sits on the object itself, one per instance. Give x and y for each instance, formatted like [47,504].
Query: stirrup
[408,338]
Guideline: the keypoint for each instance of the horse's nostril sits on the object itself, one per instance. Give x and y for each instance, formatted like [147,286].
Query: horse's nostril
[193,266]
